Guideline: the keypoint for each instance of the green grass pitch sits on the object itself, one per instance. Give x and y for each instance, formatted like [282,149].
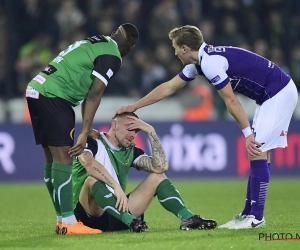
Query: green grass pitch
[27,219]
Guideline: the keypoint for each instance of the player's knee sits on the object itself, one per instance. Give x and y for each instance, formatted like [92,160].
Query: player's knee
[67,161]
[261,156]
[157,178]
[90,181]
[60,155]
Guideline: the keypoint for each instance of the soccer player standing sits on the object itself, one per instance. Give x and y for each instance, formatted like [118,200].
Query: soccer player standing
[232,69]
[77,75]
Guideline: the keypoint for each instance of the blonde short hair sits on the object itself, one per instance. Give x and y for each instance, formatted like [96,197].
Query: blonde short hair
[187,35]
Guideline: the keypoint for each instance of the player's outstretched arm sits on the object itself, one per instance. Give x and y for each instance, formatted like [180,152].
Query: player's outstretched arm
[157,163]
[89,109]
[99,172]
[160,92]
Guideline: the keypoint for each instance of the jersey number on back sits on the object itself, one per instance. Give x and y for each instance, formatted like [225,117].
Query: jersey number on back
[73,46]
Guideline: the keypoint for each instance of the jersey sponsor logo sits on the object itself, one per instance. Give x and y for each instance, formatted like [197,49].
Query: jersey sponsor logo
[270,64]
[216,79]
[50,69]
[261,145]
[109,73]
[108,195]
[216,49]
[40,79]
[71,47]
[97,39]
[199,152]
[256,224]
[32,93]
[283,133]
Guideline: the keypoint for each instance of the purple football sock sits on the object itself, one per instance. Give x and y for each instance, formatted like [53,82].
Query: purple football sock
[259,182]
[247,207]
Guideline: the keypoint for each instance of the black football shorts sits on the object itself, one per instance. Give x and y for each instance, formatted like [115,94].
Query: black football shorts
[106,223]
[53,121]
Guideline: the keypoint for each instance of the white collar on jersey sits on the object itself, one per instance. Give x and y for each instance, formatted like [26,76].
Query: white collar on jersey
[108,142]
[201,50]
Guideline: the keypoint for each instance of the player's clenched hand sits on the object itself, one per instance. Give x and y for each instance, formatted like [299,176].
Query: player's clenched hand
[123,109]
[122,203]
[253,146]
[78,148]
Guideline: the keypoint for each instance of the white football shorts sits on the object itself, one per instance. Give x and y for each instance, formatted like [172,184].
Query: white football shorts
[272,119]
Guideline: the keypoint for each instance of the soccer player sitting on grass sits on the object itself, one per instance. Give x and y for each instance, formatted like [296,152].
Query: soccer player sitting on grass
[100,176]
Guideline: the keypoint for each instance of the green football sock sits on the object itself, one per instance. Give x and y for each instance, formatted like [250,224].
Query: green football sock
[49,185]
[107,201]
[62,183]
[171,200]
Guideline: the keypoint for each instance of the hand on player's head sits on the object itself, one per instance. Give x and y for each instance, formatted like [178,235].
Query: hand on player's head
[124,109]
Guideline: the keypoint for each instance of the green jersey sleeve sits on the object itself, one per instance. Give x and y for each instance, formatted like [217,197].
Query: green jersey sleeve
[105,67]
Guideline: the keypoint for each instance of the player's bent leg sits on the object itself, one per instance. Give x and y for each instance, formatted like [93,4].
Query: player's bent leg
[169,198]
[105,199]
[82,209]
[141,197]
[88,210]
[87,200]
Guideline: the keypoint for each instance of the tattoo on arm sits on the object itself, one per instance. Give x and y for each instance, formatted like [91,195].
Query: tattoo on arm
[158,161]
[105,179]
[145,163]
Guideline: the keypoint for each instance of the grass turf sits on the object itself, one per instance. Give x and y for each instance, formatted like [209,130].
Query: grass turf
[27,219]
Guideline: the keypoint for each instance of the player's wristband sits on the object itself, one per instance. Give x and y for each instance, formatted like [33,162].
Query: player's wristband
[247,131]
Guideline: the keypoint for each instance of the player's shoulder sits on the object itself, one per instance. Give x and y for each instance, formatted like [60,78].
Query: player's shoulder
[101,39]
[210,51]
[213,55]
[97,39]
[103,45]
[92,139]
[92,143]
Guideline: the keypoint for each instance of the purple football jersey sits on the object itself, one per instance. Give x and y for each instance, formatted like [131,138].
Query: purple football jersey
[250,74]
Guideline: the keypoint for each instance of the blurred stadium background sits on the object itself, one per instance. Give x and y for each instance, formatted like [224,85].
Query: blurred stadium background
[200,137]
